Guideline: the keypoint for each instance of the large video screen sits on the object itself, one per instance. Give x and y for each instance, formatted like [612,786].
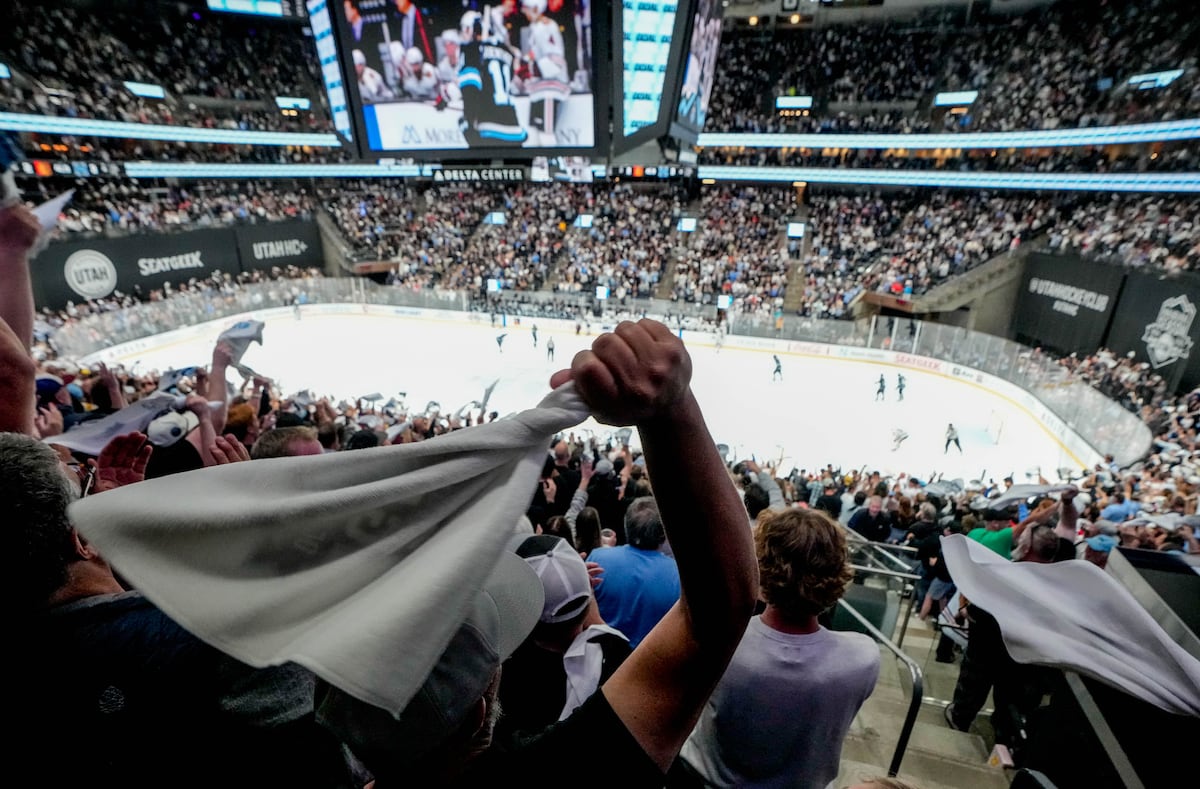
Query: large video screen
[701,66]
[647,29]
[460,75]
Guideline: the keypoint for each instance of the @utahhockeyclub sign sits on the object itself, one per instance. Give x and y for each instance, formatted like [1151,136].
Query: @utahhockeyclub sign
[1168,339]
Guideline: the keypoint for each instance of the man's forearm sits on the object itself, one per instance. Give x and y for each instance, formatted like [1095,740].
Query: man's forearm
[218,392]
[16,297]
[705,522]
[774,494]
[18,398]
[1068,520]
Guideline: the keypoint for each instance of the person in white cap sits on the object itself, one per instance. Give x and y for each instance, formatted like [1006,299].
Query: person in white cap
[371,87]
[571,651]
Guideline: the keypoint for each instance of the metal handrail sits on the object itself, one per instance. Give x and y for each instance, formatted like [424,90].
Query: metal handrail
[874,560]
[918,686]
[885,550]
[889,573]
[878,548]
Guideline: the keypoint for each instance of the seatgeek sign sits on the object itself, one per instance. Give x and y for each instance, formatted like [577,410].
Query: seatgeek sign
[79,271]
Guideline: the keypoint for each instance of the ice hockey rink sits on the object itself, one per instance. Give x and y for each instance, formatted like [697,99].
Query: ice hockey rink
[823,411]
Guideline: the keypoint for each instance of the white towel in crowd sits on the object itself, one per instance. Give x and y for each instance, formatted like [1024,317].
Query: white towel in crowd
[357,565]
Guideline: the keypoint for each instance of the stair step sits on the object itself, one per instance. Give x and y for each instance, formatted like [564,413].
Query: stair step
[933,738]
[896,708]
[922,766]
[853,772]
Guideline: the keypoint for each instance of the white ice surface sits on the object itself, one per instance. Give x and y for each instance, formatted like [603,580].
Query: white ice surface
[824,410]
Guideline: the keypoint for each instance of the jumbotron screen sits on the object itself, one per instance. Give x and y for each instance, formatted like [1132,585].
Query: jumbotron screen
[701,67]
[461,75]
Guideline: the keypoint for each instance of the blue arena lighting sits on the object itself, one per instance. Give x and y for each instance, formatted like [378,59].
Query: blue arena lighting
[1076,182]
[1060,138]
[86,127]
[185,170]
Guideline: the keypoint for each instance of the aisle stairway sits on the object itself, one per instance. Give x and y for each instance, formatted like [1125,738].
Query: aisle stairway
[937,757]
[795,283]
[666,282]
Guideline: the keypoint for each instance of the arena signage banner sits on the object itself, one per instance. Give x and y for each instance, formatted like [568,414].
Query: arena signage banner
[478,174]
[1156,322]
[279,244]
[78,271]
[1065,303]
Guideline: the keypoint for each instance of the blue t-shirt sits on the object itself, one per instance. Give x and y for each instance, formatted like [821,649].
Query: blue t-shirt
[638,588]
[1120,512]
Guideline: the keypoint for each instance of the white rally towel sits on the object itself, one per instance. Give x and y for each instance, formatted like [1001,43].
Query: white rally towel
[240,335]
[93,435]
[583,662]
[358,565]
[1075,616]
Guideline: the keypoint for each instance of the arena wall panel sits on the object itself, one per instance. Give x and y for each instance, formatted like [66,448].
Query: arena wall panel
[1065,303]
[1155,320]
[78,271]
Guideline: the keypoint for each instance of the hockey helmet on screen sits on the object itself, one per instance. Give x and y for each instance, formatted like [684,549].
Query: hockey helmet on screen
[414,56]
[471,25]
[536,7]
[396,53]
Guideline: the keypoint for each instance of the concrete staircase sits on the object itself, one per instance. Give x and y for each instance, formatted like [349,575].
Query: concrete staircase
[666,281]
[795,283]
[964,288]
[937,756]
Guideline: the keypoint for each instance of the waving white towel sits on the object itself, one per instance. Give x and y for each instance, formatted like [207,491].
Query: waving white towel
[1075,616]
[358,565]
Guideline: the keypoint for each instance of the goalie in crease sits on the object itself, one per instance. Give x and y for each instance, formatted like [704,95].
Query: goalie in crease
[542,73]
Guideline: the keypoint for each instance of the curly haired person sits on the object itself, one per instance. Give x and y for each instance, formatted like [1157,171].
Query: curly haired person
[781,711]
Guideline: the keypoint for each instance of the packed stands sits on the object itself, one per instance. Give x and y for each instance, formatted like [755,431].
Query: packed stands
[1062,66]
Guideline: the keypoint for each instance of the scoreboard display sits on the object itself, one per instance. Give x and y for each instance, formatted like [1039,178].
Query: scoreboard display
[277,8]
[460,78]
[434,80]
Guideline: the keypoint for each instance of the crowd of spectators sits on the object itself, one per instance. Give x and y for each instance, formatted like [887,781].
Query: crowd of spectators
[595,496]
[629,244]
[192,53]
[1061,66]
[424,230]
[902,243]
[906,243]
[738,249]
[521,252]
[1154,231]
[115,206]
[1177,157]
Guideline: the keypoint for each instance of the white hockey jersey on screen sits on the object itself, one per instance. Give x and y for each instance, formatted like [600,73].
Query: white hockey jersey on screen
[546,49]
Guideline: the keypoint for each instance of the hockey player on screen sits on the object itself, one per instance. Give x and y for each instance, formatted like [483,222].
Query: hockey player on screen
[543,70]
[489,118]
[447,67]
[418,78]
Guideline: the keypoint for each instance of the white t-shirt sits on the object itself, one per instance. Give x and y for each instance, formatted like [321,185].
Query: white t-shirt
[779,715]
